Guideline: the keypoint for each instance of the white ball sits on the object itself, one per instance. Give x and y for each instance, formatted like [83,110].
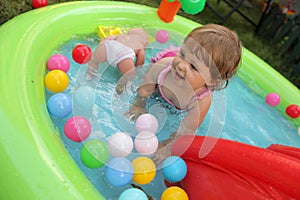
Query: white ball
[146,143]
[146,122]
[120,144]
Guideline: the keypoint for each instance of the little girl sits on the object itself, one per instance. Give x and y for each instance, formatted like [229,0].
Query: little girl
[124,51]
[208,58]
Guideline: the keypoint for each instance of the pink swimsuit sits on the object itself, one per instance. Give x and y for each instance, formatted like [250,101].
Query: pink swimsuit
[161,77]
[168,52]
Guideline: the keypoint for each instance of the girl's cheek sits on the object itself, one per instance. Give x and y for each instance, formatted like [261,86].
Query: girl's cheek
[176,59]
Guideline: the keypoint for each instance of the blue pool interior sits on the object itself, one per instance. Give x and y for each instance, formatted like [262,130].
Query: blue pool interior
[237,113]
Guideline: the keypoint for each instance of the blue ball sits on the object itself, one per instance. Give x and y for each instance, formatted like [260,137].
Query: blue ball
[133,194]
[59,105]
[118,172]
[174,169]
[84,97]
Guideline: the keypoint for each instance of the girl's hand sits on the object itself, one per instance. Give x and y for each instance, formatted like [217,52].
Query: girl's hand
[163,152]
[135,112]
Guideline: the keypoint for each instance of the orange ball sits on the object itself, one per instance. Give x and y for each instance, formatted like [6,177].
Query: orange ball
[144,170]
[56,80]
[174,193]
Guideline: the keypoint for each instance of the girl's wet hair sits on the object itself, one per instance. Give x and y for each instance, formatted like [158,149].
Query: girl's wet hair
[218,48]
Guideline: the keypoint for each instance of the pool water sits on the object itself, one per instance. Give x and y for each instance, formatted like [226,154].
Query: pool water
[237,113]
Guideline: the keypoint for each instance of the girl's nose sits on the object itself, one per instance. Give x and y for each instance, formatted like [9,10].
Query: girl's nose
[182,66]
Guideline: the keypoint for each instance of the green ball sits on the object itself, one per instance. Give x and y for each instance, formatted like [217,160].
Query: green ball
[192,6]
[94,154]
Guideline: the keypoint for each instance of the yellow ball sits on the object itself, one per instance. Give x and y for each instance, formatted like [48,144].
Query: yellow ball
[56,80]
[174,193]
[144,170]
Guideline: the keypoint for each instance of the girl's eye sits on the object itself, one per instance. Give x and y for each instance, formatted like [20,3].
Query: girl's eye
[182,55]
[193,67]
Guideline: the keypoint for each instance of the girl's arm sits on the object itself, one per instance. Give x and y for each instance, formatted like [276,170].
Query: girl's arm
[191,122]
[145,90]
[195,116]
[148,85]
[138,107]
[188,125]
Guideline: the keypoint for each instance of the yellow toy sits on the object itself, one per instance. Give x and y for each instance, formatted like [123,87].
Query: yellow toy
[104,31]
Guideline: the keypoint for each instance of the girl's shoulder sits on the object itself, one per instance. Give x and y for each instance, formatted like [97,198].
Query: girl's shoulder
[155,69]
[202,100]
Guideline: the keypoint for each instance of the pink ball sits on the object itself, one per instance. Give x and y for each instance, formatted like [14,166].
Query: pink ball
[58,61]
[299,130]
[77,128]
[146,143]
[162,36]
[146,122]
[120,144]
[273,99]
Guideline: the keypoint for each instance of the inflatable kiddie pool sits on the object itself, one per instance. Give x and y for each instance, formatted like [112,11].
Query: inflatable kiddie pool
[34,162]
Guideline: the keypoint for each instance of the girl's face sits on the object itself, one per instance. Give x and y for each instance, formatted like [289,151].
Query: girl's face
[184,70]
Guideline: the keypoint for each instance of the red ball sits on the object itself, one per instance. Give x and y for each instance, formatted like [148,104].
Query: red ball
[82,54]
[39,3]
[293,111]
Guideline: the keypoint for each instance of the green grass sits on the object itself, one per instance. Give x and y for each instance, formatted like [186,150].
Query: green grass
[12,8]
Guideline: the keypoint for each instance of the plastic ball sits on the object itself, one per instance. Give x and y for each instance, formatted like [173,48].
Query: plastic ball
[94,154]
[56,81]
[146,122]
[118,172]
[133,194]
[293,111]
[120,144]
[174,169]
[82,53]
[77,128]
[58,61]
[272,99]
[59,105]
[299,130]
[174,193]
[162,36]
[192,6]
[39,3]
[84,97]
[144,170]
[146,142]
